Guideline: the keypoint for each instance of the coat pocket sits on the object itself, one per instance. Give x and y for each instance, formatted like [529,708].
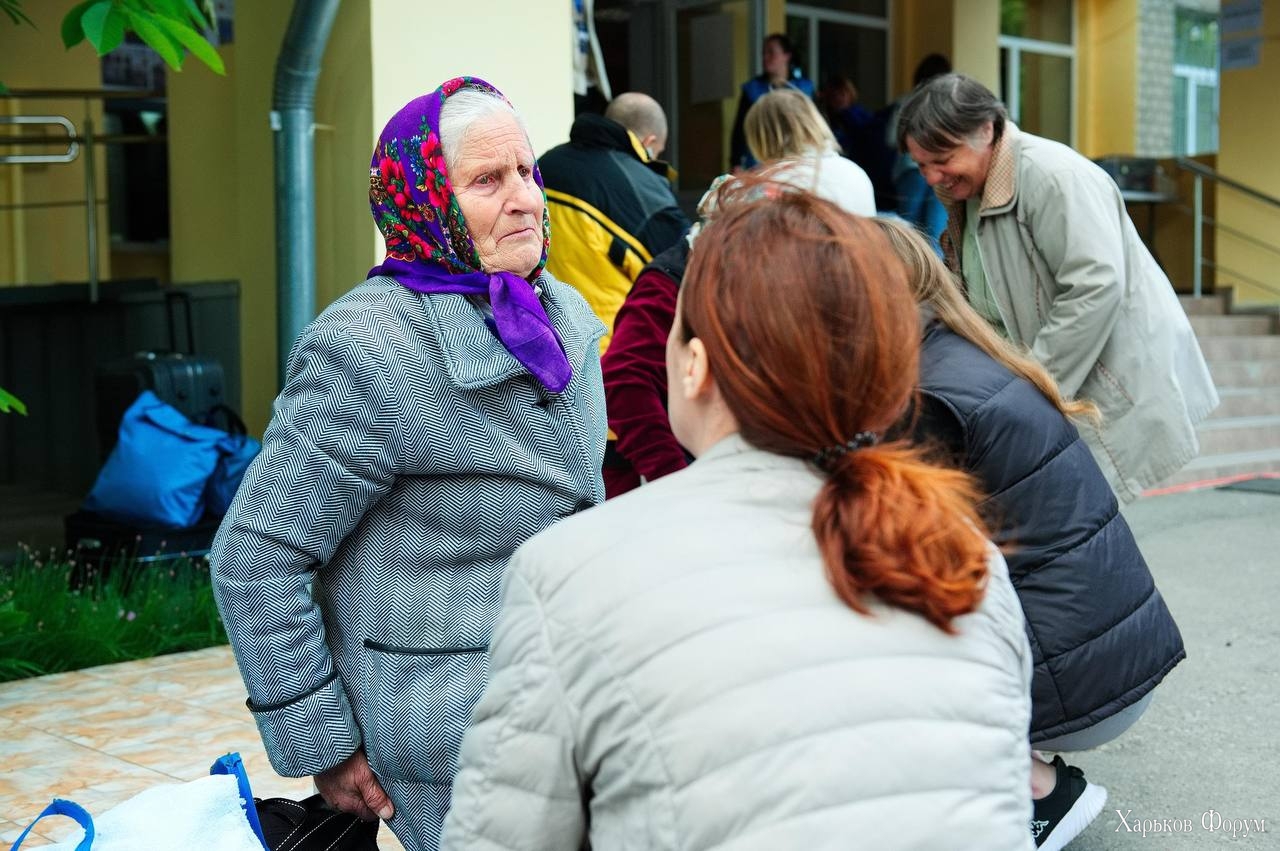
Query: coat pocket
[420,701]
[1103,388]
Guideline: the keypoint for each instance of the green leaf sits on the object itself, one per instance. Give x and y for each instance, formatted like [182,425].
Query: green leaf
[9,402]
[72,28]
[193,41]
[156,39]
[202,15]
[103,26]
[182,11]
[13,8]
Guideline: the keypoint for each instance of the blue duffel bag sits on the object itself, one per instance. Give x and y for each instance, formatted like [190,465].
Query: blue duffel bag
[158,471]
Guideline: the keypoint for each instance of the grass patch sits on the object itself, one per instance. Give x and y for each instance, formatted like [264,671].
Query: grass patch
[129,611]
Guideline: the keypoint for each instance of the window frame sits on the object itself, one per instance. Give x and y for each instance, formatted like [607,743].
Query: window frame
[1196,75]
[818,14]
[1016,45]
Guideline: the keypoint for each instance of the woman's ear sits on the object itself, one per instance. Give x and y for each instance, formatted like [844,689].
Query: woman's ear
[696,379]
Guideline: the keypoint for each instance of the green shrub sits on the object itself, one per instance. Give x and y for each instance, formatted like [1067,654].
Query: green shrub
[130,610]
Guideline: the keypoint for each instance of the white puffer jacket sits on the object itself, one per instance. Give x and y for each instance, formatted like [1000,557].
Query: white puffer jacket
[672,670]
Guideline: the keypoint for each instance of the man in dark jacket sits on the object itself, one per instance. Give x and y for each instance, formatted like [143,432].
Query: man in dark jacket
[610,201]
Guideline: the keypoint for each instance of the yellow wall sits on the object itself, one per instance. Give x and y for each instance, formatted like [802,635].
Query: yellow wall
[975,47]
[745,57]
[1107,76]
[775,18]
[523,48]
[45,246]
[1248,126]
[918,28]
[379,56]
[222,178]
[965,31]
[344,141]
[203,184]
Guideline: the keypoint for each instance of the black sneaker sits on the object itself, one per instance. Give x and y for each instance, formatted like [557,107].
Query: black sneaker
[1064,813]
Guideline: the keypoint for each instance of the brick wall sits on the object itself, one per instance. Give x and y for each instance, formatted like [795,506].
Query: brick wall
[1154,131]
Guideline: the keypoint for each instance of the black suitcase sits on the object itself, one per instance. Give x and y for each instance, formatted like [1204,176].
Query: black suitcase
[193,384]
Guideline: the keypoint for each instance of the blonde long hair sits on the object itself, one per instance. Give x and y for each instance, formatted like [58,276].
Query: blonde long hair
[933,284]
[785,123]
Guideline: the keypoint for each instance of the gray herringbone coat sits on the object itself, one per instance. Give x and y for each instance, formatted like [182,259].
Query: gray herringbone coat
[358,570]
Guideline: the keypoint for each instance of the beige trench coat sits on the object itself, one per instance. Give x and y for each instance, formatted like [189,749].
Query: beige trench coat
[1075,284]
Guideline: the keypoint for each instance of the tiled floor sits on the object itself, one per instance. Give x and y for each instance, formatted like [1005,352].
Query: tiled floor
[101,735]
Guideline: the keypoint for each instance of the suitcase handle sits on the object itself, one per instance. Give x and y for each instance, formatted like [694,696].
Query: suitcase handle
[235,425]
[173,297]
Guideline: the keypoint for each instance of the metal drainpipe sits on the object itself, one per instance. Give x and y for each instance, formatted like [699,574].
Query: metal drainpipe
[292,119]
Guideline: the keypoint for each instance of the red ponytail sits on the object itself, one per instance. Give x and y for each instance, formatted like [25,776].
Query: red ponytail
[893,526]
[813,337]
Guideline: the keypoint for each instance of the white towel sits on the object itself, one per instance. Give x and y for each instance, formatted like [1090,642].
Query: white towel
[205,814]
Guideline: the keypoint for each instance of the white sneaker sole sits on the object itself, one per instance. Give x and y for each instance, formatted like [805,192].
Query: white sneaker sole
[1082,813]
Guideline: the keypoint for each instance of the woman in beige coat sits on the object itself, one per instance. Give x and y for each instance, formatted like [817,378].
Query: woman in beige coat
[1050,257]
[803,640]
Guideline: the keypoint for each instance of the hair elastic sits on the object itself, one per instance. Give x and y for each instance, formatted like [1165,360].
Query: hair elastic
[829,455]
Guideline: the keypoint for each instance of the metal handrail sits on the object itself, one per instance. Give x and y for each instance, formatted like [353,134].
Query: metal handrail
[1212,222]
[1218,267]
[69,138]
[74,141]
[104,139]
[1202,173]
[81,94]
[1212,174]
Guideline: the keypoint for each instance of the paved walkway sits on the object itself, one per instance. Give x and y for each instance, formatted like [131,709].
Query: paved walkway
[1208,744]
[101,735]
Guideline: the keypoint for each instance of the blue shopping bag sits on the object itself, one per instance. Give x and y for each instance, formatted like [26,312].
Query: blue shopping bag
[158,471]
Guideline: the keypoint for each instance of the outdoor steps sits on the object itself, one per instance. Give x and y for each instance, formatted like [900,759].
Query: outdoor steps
[1241,436]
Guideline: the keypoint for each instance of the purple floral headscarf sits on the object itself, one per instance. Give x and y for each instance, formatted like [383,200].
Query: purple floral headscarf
[429,249]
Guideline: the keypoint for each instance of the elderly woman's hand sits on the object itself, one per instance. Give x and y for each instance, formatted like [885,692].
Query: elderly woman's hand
[351,787]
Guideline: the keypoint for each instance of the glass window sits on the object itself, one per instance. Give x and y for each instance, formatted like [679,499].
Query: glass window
[1195,83]
[1044,95]
[1206,121]
[1195,39]
[1181,134]
[843,49]
[1037,61]
[857,53]
[1042,20]
[798,32]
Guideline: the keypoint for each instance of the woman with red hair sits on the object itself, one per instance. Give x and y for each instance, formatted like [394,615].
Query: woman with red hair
[804,639]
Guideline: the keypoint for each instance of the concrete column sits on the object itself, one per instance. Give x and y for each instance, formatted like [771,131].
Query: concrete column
[966,31]
[975,34]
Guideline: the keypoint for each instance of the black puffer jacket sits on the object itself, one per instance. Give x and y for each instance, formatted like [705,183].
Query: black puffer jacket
[1101,635]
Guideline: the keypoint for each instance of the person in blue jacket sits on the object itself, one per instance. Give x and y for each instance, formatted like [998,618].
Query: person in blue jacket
[779,71]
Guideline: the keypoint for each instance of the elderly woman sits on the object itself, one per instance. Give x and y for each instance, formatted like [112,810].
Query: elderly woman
[806,642]
[434,417]
[1050,258]
[795,145]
